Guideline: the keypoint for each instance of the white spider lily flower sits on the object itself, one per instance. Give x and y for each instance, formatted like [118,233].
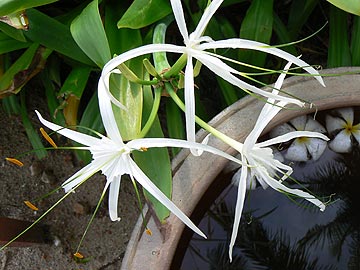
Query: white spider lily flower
[112,157]
[303,148]
[343,124]
[259,162]
[196,46]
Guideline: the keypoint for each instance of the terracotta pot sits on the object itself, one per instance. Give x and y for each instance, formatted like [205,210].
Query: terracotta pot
[193,175]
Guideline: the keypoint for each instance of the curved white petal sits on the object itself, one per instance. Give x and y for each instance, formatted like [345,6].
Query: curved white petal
[71,134]
[299,193]
[180,19]
[299,122]
[313,125]
[81,175]
[154,191]
[334,123]
[341,143]
[316,147]
[107,113]
[221,69]
[292,135]
[237,43]
[114,198]
[205,18]
[239,207]
[189,101]
[166,142]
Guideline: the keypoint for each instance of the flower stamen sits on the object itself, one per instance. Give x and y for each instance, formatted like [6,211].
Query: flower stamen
[31,206]
[15,161]
[78,255]
[47,137]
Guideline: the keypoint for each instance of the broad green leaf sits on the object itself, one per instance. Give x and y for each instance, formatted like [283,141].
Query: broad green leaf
[352,6]
[54,35]
[155,162]
[11,6]
[88,32]
[355,42]
[257,25]
[11,105]
[7,44]
[142,13]
[283,35]
[128,93]
[339,49]
[300,11]
[23,69]
[12,32]
[174,123]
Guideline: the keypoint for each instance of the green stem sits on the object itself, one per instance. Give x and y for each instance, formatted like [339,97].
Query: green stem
[226,139]
[177,67]
[153,113]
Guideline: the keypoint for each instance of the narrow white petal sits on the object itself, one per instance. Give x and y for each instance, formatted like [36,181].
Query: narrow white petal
[237,43]
[299,122]
[114,198]
[334,123]
[71,134]
[165,142]
[143,50]
[316,147]
[81,175]
[341,143]
[299,193]
[190,102]
[292,135]
[180,19]
[205,18]
[107,113]
[239,207]
[220,68]
[297,152]
[154,191]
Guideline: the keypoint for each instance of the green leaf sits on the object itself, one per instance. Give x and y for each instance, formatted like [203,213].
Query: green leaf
[257,25]
[51,98]
[355,42]
[339,49]
[7,44]
[12,32]
[30,131]
[88,32]
[11,6]
[142,13]
[352,6]
[175,123]
[54,35]
[155,162]
[24,68]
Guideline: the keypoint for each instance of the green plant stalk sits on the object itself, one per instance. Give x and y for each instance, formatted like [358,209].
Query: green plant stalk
[226,139]
[153,113]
